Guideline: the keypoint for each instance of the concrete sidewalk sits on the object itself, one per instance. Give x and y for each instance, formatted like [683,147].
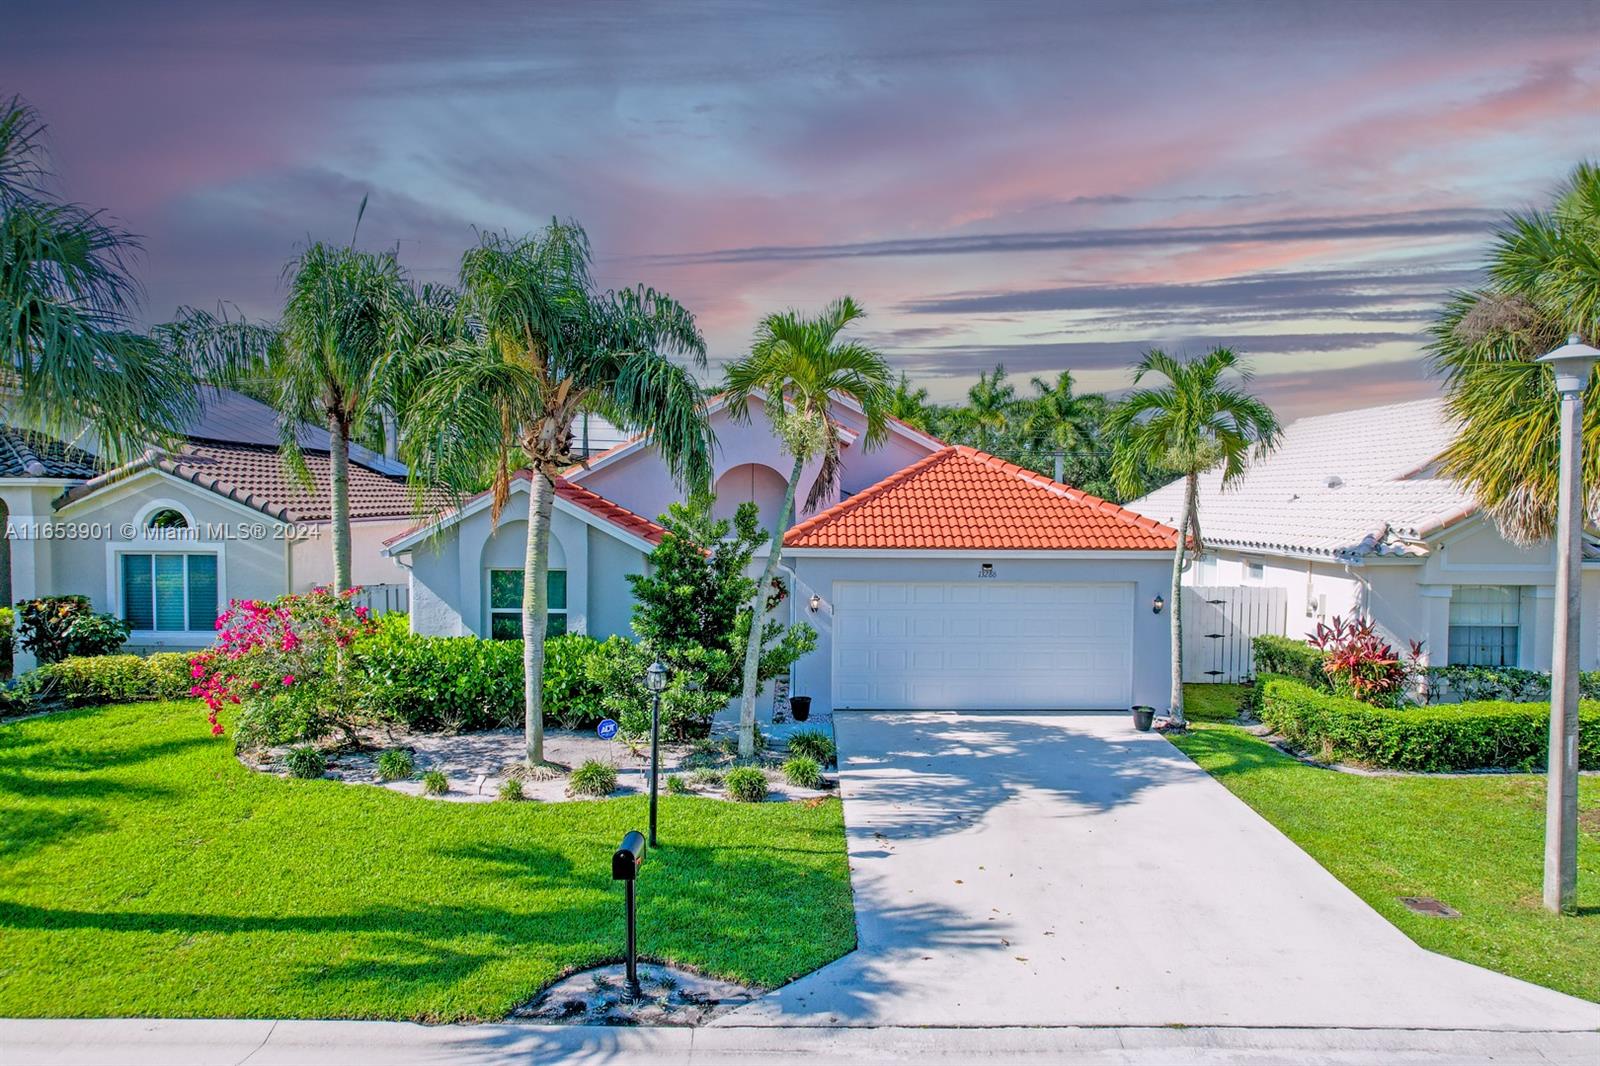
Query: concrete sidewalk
[134,1042]
[1038,869]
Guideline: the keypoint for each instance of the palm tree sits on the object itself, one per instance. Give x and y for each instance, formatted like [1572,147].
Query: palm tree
[1545,284]
[798,366]
[1062,422]
[327,360]
[1193,424]
[909,405]
[70,358]
[989,406]
[539,344]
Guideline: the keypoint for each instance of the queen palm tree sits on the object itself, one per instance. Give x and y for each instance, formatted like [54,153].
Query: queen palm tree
[1544,274]
[70,357]
[327,360]
[990,404]
[1194,423]
[798,366]
[909,405]
[538,344]
[1062,422]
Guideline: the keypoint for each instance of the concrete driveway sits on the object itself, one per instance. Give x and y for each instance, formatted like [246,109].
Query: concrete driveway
[1058,870]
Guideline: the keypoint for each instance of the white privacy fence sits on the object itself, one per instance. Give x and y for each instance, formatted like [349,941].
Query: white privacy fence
[1218,624]
[385,599]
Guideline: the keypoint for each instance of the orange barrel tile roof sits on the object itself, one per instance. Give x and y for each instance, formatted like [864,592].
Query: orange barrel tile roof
[961,498]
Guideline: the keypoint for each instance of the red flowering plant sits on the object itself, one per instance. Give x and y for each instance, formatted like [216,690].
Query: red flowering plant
[283,664]
[1360,663]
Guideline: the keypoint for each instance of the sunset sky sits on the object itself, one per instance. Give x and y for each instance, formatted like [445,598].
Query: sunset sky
[1049,186]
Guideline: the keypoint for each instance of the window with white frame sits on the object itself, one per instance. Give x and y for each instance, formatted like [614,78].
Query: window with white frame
[505,604]
[1485,625]
[169,591]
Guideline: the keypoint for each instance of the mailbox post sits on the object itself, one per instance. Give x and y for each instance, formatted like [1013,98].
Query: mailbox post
[625,863]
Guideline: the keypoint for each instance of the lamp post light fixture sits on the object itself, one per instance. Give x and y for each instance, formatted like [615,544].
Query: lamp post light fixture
[655,679]
[1572,362]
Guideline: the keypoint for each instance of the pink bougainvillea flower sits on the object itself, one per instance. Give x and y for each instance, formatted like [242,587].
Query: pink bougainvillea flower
[288,679]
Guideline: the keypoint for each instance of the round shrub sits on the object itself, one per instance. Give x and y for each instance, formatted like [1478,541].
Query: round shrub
[396,764]
[677,784]
[802,771]
[746,784]
[434,783]
[593,778]
[815,745]
[305,761]
[511,790]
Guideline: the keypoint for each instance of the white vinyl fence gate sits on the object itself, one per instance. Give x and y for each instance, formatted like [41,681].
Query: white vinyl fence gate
[1218,624]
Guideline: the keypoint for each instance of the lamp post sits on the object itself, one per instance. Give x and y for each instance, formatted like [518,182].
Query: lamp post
[1572,363]
[655,679]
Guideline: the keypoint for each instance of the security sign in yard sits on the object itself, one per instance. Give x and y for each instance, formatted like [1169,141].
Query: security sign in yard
[606,729]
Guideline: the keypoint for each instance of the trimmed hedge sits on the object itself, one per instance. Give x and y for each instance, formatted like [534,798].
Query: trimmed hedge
[1288,657]
[1483,735]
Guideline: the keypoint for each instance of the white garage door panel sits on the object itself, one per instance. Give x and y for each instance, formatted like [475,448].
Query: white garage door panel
[982,645]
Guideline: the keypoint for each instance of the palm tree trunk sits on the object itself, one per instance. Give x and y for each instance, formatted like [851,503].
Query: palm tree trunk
[758,618]
[339,462]
[535,596]
[1190,491]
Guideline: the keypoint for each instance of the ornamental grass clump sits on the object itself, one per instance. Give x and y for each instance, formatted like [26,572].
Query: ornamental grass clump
[285,666]
[802,771]
[593,778]
[434,783]
[305,761]
[396,764]
[746,784]
[816,745]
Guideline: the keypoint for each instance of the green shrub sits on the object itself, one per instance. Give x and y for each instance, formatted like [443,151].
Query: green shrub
[677,784]
[59,627]
[617,669]
[1288,657]
[705,777]
[746,784]
[305,761]
[802,771]
[396,764]
[14,702]
[434,783]
[1482,735]
[468,683]
[511,790]
[8,640]
[593,778]
[170,677]
[87,681]
[814,744]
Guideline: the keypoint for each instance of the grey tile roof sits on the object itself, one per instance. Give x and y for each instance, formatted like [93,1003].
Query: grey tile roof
[1345,485]
[25,454]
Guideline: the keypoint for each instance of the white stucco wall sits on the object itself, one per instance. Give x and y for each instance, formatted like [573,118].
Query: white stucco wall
[1152,677]
[312,554]
[1409,598]
[450,588]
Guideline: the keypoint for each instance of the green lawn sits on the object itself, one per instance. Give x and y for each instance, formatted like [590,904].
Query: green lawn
[143,871]
[1212,703]
[1477,843]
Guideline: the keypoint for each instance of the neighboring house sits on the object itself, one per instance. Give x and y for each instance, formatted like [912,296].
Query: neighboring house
[942,578]
[1350,516]
[165,541]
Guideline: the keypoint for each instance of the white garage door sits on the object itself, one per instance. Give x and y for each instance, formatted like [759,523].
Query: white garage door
[982,645]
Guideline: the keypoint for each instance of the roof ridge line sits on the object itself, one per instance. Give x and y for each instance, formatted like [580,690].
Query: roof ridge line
[1071,492]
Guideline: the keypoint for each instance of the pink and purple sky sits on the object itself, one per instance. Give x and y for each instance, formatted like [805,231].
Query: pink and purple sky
[1049,185]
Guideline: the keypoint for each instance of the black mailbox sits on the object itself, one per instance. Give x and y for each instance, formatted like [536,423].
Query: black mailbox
[629,856]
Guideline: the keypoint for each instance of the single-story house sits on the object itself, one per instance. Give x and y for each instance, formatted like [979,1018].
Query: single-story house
[939,578]
[1350,516]
[165,541]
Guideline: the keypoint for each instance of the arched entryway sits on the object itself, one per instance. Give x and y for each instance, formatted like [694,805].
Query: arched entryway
[751,483]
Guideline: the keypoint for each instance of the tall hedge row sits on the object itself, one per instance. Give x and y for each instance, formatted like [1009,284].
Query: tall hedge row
[1481,735]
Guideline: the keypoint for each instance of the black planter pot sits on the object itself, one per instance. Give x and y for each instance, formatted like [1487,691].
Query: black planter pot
[1143,718]
[800,707]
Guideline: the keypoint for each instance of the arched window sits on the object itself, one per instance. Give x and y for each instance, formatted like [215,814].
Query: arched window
[166,518]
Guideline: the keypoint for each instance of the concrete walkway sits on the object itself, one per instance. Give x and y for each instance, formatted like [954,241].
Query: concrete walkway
[1016,870]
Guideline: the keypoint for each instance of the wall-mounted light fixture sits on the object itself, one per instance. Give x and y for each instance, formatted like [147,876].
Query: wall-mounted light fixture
[816,603]
[1157,604]
[986,570]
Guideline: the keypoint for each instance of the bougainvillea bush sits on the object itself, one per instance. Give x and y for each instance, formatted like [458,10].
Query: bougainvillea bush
[285,665]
